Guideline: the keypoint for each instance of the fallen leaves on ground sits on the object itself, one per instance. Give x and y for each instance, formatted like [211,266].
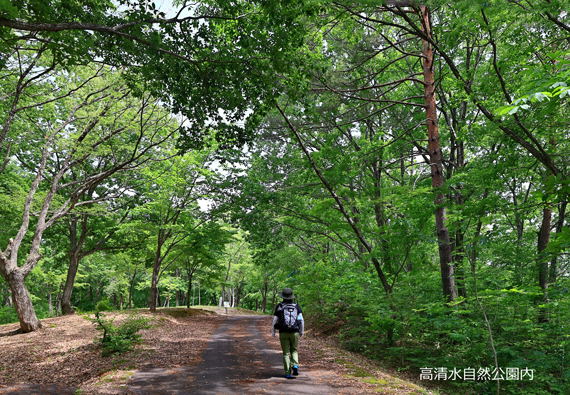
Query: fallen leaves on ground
[64,352]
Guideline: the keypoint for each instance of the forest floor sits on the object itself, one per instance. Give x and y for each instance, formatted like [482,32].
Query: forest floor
[181,347]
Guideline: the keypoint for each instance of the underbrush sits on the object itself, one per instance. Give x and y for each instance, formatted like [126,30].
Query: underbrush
[451,345]
[119,338]
[8,315]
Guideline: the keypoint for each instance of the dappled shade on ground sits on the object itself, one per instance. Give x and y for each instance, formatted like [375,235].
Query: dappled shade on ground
[240,360]
[186,351]
[63,351]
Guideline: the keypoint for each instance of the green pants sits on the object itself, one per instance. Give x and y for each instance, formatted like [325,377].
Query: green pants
[289,342]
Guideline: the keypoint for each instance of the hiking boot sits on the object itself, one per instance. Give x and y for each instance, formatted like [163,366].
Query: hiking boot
[295,370]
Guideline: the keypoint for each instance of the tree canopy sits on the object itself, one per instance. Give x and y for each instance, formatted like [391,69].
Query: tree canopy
[401,165]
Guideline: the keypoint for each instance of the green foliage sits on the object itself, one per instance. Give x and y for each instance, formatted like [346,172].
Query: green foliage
[104,305]
[412,328]
[122,337]
[347,76]
[547,90]
[8,315]
[190,63]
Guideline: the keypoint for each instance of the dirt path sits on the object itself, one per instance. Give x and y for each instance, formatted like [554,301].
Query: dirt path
[237,360]
[185,352]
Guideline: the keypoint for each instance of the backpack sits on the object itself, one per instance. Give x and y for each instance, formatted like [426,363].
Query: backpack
[288,320]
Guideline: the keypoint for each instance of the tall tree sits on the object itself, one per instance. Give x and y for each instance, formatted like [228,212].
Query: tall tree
[93,120]
[168,211]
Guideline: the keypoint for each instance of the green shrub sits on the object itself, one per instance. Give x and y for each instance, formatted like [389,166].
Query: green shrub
[119,338]
[104,305]
[8,315]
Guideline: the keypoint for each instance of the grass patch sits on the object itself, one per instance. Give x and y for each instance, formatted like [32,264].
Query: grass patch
[115,378]
[369,377]
[376,381]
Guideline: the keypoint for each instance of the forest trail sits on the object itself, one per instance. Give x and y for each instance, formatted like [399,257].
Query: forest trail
[238,360]
[190,354]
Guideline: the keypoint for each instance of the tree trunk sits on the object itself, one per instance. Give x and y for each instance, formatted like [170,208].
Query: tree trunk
[519,255]
[154,281]
[190,274]
[264,295]
[9,302]
[58,300]
[68,287]
[75,255]
[459,255]
[50,304]
[543,239]
[377,165]
[436,163]
[473,255]
[273,301]
[176,292]
[559,226]
[169,292]
[23,303]
[227,298]
[131,289]
[238,294]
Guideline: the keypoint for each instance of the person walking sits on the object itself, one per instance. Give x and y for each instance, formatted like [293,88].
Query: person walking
[288,319]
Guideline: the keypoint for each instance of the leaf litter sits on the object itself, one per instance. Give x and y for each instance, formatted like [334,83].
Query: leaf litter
[63,352]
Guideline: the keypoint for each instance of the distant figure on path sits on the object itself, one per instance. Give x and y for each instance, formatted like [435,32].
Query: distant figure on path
[288,318]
